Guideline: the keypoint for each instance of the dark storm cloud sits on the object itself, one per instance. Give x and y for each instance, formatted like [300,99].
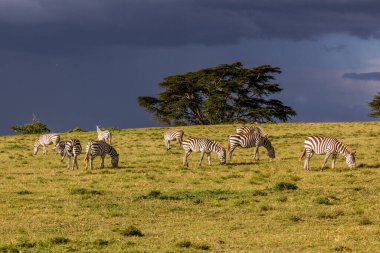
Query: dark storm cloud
[370,76]
[65,25]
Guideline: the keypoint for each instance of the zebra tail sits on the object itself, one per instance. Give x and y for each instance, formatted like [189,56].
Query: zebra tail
[86,157]
[303,153]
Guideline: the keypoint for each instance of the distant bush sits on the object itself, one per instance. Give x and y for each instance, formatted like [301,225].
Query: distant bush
[77,129]
[33,128]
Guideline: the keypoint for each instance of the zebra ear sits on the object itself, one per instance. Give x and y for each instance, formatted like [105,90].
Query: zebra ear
[353,153]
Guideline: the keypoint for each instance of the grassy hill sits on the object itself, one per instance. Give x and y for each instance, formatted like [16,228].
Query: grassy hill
[244,206]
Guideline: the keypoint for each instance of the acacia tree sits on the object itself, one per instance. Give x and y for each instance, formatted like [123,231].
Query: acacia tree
[375,106]
[222,94]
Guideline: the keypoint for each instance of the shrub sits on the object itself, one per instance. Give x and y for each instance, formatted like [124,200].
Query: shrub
[365,221]
[59,240]
[24,192]
[83,191]
[131,231]
[282,186]
[184,244]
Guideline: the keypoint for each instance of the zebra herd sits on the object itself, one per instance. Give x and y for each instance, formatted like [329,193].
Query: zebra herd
[73,148]
[254,136]
[245,137]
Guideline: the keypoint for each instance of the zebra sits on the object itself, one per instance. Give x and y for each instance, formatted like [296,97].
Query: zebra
[70,148]
[203,145]
[44,140]
[101,148]
[328,146]
[250,140]
[250,129]
[170,135]
[104,135]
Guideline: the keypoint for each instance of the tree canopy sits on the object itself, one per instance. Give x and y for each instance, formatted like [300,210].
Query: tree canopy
[375,106]
[36,127]
[223,94]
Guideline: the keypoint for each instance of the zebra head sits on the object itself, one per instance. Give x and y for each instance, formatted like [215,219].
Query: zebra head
[350,160]
[60,147]
[115,161]
[222,156]
[35,147]
[269,147]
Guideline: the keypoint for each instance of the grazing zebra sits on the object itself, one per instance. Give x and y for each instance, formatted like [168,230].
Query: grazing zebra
[101,148]
[250,140]
[170,135]
[203,145]
[70,148]
[250,129]
[328,146]
[104,135]
[44,140]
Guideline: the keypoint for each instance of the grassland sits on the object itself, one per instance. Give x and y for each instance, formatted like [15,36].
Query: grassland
[153,204]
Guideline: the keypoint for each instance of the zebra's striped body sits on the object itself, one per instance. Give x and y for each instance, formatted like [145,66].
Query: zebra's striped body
[44,140]
[203,145]
[170,135]
[250,140]
[70,148]
[104,135]
[101,148]
[328,146]
[249,130]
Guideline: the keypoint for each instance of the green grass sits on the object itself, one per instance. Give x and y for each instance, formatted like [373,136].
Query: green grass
[154,204]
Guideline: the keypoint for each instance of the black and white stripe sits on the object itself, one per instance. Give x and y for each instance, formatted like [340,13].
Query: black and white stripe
[170,135]
[101,148]
[203,145]
[249,130]
[70,148]
[103,135]
[328,146]
[250,140]
[44,140]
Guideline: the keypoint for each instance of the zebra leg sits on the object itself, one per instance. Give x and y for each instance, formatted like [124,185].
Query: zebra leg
[325,160]
[230,152]
[91,158]
[185,163]
[333,157]
[202,154]
[102,162]
[256,153]
[68,162]
[179,142]
[307,160]
[209,158]
[44,149]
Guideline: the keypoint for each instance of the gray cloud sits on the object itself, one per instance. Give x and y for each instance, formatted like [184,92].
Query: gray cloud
[65,25]
[370,76]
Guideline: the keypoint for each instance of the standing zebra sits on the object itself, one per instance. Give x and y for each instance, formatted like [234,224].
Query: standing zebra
[250,129]
[250,140]
[70,148]
[104,135]
[101,148]
[170,135]
[328,146]
[203,145]
[44,140]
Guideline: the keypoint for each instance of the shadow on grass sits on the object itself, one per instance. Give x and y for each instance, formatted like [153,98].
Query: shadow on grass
[241,163]
[368,166]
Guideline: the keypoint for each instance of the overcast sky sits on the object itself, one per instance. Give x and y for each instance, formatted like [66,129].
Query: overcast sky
[84,62]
